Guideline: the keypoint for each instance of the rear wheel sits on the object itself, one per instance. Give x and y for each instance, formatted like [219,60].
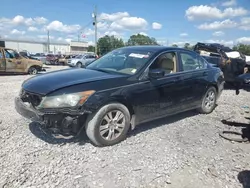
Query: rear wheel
[109,125]
[32,70]
[79,65]
[208,101]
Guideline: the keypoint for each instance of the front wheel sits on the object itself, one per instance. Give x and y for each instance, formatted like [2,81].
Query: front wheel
[109,125]
[79,65]
[208,101]
[32,71]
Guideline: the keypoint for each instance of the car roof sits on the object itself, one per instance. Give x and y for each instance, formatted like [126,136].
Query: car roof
[154,48]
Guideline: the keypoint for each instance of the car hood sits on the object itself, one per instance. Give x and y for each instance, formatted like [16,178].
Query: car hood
[49,82]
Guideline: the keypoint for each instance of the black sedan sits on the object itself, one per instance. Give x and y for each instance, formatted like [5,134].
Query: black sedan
[118,91]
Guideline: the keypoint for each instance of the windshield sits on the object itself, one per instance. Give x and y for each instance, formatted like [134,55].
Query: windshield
[125,61]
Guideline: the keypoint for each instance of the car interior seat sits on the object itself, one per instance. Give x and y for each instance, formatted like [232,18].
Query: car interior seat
[167,64]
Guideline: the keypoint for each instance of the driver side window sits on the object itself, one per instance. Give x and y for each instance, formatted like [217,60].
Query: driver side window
[166,61]
[9,54]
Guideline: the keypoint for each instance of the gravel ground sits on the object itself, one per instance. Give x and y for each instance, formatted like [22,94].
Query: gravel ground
[183,151]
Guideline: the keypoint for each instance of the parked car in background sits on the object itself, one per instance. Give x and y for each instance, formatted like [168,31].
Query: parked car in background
[120,90]
[13,62]
[40,56]
[27,55]
[64,59]
[52,59]
[82,60]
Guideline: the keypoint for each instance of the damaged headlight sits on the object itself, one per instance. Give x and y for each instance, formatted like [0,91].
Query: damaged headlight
[65,100]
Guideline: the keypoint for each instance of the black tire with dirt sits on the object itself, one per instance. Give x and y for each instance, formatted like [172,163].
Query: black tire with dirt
[33,70]
[79,65]
[96,126]
[208,101]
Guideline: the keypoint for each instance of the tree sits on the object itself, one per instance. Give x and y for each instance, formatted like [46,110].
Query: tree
[243,48]
[175,45]
[141,40]
[91,49]
[188,46]
[108,43]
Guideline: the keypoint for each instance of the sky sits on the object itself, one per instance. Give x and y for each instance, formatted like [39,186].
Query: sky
[170,22]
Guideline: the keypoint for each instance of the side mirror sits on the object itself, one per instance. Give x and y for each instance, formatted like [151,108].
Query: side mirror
[156,73]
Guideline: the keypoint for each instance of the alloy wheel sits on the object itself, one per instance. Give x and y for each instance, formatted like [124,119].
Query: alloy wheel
[112,125]
[210,100]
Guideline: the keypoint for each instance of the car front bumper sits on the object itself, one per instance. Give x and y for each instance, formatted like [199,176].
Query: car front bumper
[27,111]
[60,122]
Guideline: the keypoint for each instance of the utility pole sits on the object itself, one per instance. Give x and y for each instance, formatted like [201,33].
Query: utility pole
[94,15]
[48,43]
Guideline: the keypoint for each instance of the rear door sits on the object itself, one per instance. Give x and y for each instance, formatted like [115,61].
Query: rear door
[194,75]
[2,61]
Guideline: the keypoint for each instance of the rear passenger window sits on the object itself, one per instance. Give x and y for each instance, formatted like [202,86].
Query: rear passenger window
[192,61]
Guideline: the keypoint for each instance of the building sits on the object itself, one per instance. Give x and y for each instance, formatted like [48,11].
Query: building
[43,47]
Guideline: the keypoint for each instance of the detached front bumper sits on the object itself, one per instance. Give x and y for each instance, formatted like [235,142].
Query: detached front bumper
[60,122]
[25,110]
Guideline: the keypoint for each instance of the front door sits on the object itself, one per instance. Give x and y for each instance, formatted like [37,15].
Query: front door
[2,62]
[154,98]
[13,62]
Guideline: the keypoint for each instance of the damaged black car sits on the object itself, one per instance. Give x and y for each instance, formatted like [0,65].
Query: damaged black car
[120,90]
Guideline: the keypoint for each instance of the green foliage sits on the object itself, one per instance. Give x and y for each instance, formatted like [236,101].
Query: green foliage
[188,46]
[243,48]
[91,49]
[175,45]
[141,40]
[108,43]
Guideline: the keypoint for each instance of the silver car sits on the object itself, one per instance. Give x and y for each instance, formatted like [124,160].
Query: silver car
[81,60]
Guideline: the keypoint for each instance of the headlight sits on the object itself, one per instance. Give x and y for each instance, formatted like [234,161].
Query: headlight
[65,100]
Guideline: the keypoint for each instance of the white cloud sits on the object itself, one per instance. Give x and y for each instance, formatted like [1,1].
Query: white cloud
[17,32]
[88,32]
[142,33]
[113,17]
[229,3]
[40,20]
[120,21]
[20,20]
[91,43]
[45,37]
[68,40]
[156,25]
[31,28]
[229,43]
[205,12]
[132,23]
[60,27]
[244,40]
[110,33]
[226,24]
[183,34]
[182,43]
[245,23]
[218,33]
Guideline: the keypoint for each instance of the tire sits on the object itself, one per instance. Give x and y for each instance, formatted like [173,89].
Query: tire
[33,70]
[94,121]
[207,98]
[79,65]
